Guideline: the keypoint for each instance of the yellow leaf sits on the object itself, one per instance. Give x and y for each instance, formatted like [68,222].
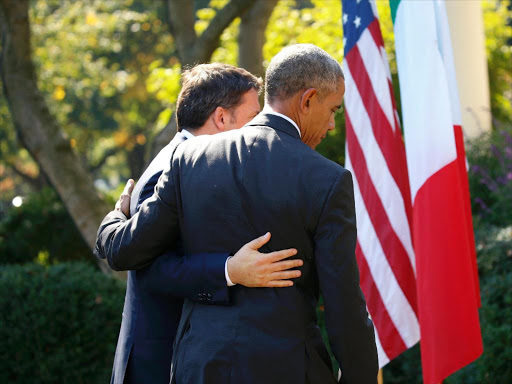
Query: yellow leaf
[59,93]
[141,139]
[91,19]
[121,138]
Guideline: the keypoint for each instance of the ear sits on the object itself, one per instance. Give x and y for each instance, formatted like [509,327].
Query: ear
[306,100]
[219,117]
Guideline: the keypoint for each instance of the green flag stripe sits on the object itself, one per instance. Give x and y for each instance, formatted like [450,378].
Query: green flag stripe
[394,6]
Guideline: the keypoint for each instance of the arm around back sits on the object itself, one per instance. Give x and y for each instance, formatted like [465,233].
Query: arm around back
[132,244]
[198,277]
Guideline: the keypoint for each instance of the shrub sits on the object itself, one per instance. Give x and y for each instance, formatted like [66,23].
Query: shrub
[490,176]
[40,227]
[494,246]
[495,269]
[58,324]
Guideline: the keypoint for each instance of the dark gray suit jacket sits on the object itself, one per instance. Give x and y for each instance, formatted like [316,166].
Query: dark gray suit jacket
[221,193]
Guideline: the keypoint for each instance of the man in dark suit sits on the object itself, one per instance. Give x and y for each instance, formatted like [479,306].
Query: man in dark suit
[218,98]
[264,177]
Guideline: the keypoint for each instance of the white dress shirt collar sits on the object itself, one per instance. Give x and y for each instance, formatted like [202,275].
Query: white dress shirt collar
[187,134]
[268,110]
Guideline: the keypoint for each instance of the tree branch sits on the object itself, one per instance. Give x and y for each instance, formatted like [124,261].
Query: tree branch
[209,39]
[36,182]
[164,136]
[108,153]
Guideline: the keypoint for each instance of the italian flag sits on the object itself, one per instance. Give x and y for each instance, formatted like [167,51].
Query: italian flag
[447,279]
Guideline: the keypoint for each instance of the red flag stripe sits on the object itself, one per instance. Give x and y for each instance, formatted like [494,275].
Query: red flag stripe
[390,339]
[400,311]
[376,33]
[393,249]
[382,130]
[461,159]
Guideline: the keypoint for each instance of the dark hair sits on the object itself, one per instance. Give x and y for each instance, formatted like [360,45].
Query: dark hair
[299,67]
[208,86]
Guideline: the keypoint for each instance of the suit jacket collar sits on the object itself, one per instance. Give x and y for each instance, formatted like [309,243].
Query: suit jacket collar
[276,122]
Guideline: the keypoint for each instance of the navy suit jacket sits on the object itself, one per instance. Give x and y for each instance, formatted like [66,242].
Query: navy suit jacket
[230,188]
[154,296]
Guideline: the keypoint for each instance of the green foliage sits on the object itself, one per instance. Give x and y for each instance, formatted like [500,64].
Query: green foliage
[92,59]
[333,146]
[318,23]
[58,324]
[42,230]
[406,368]
[498,32]
[490,176]
[320,314]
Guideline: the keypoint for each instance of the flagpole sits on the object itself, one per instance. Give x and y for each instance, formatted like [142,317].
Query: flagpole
[380,378]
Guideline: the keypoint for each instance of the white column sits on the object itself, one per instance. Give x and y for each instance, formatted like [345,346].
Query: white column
[468,40]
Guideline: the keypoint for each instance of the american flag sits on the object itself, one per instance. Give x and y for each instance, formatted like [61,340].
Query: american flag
[375,154]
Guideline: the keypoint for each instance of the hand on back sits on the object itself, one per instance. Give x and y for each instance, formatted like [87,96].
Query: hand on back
[251,268]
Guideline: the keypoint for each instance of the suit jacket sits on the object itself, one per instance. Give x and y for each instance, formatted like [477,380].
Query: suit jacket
[154,296]
[231,188]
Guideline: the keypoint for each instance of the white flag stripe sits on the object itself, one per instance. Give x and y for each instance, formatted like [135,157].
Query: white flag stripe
[397,305]
[378,77]
[374,9]
[384,55]
[383,181]
[430,146]
[383,358]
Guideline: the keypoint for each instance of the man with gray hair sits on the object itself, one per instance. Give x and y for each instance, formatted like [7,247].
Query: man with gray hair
[264,177]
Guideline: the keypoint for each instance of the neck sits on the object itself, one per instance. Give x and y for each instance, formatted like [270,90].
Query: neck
[207,128]
[287,108]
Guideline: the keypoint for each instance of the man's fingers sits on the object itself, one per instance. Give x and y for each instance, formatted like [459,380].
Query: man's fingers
[279,283]
[128,188]
[285,275]
[280,255]
[284,265]
[259,242]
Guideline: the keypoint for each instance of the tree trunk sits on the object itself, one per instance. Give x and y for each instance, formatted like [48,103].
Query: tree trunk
[251,37]
[38,129]
[193,49]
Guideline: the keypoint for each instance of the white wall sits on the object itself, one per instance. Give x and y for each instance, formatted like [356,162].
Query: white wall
[468,40]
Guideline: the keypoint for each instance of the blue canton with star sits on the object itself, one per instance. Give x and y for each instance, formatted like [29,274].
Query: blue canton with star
[357,15]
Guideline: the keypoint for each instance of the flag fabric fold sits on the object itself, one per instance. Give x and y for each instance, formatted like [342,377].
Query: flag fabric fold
[375,155]
[447,280]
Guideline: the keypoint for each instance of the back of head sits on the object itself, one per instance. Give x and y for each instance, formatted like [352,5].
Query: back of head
[299,67]
[208,86]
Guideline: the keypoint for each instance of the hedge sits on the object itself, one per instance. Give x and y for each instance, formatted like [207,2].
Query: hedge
[58,324]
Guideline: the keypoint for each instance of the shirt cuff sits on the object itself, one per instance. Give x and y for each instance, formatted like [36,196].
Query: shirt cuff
[228,280]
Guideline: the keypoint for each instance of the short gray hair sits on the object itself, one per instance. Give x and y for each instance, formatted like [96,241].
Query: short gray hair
[299,67]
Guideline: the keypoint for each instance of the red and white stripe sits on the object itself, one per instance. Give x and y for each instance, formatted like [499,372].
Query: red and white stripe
[375,154]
